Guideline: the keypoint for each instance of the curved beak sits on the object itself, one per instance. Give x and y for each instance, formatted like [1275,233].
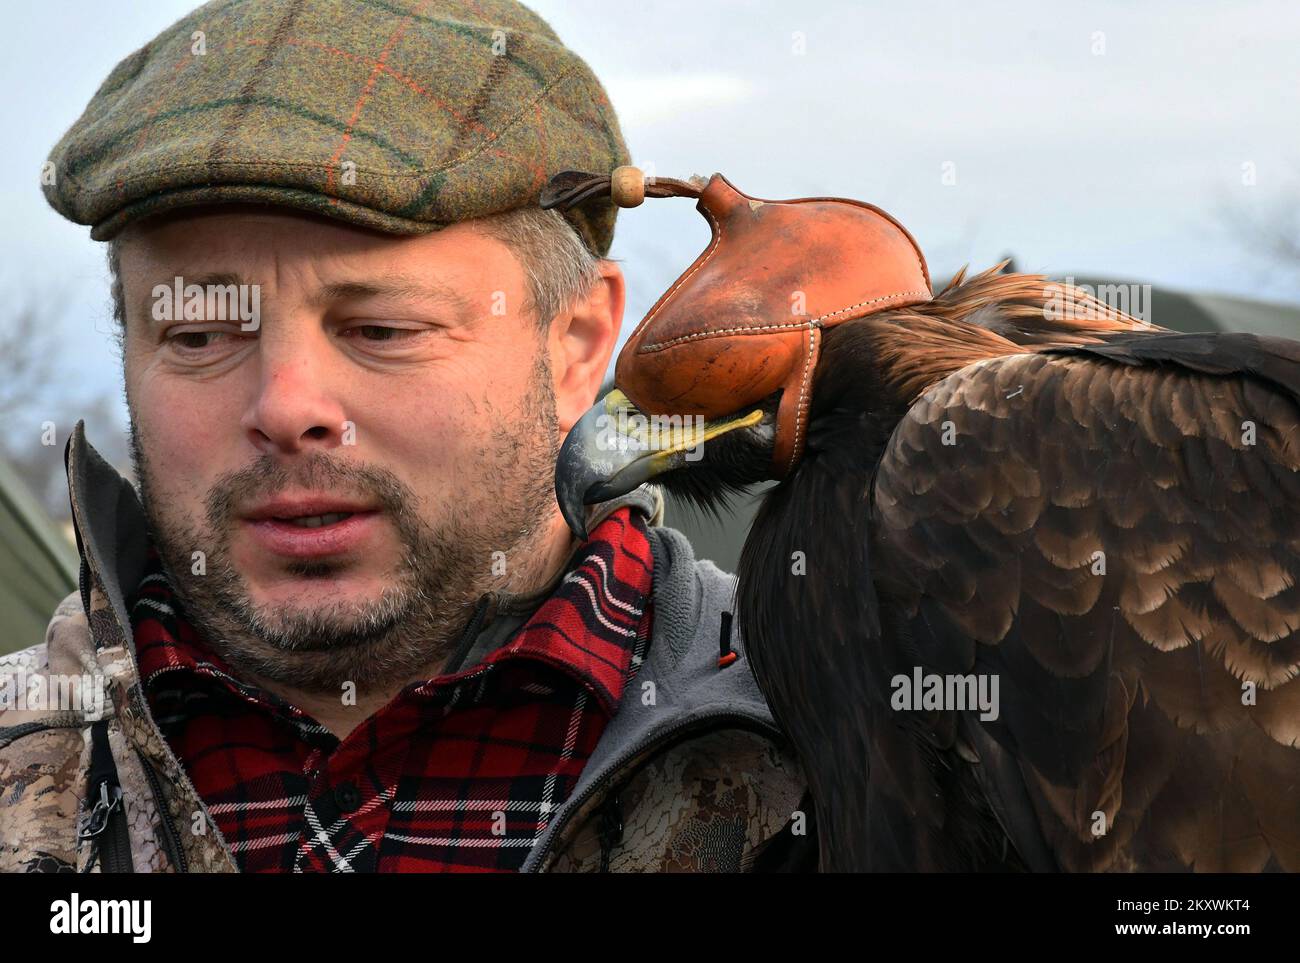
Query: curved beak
[614,448]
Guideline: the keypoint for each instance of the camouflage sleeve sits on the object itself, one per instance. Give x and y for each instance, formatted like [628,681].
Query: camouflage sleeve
[40,778]
[711,805]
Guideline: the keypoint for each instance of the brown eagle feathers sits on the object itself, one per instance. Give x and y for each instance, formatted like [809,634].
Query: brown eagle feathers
[1015,491]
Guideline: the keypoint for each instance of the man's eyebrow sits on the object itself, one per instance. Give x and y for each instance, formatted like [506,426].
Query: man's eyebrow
[217,278]
[401,286]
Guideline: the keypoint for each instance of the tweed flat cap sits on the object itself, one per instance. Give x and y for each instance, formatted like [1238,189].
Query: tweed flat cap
[399,115]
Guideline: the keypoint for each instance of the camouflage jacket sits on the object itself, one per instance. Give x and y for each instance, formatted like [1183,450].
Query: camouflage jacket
[700,780]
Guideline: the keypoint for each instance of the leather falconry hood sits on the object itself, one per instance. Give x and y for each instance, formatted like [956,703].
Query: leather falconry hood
[746,318]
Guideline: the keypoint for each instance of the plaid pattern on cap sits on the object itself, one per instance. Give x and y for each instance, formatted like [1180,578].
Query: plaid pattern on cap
[399,115]
[458,773]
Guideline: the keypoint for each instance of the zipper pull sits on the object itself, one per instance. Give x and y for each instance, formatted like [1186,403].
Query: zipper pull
[726,655]
[110,800]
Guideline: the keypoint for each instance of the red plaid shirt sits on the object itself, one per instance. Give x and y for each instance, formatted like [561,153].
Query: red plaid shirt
[460,773]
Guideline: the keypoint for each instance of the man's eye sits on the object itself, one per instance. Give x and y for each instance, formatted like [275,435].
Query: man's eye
[194,340]
[380,332]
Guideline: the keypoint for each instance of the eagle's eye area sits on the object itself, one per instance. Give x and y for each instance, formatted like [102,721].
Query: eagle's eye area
[615,447]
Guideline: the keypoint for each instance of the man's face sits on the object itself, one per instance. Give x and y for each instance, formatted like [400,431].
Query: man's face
[331,490]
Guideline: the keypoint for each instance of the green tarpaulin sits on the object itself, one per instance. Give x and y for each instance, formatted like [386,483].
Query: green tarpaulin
[38,565]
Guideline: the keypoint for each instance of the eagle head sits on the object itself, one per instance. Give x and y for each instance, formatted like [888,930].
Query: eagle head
[714,385]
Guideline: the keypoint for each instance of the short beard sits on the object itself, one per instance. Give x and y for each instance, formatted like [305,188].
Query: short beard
[445,567]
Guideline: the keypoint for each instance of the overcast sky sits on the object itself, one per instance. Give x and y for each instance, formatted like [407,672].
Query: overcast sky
[1088,138]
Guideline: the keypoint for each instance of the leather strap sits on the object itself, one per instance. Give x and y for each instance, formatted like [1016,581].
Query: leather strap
[569,188]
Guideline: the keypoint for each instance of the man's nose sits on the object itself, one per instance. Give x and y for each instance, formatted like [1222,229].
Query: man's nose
[296,407]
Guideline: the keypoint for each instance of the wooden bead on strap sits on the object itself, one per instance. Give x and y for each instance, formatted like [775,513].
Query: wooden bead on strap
[627,186]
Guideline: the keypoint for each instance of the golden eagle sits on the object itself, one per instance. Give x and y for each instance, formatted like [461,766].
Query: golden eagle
[1025,595]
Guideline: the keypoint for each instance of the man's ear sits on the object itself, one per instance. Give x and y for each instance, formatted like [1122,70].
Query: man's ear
[581,342]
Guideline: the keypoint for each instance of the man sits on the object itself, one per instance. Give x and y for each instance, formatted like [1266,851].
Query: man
[342,626]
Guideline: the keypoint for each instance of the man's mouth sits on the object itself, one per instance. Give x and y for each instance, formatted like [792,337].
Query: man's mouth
[309,510]
[311,526]
[316,521]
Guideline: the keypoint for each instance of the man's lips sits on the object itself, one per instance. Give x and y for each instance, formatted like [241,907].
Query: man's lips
[302,506]
[310,526]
